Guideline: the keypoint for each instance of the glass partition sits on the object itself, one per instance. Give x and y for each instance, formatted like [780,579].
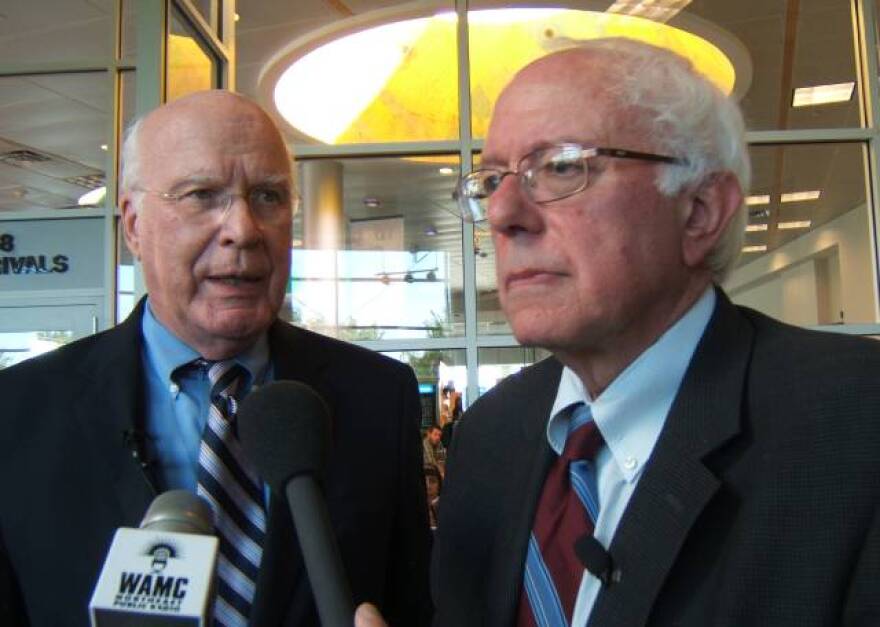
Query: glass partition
[53,140]
[377,249]
[807,258]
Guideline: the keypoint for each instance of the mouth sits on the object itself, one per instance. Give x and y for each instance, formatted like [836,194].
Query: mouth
[236,281]
[531,277]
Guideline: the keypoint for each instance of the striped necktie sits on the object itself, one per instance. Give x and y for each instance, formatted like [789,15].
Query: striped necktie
[568,509]
[235,493]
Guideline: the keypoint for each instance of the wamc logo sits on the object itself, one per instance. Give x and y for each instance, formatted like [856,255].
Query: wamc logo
[153,590]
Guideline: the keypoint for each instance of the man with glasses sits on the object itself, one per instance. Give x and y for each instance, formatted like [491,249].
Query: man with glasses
[93,431]
[679,460]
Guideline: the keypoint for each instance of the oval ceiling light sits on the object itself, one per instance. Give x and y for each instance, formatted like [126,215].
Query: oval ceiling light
[397,81]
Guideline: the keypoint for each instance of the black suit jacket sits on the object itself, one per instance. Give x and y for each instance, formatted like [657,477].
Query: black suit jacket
[758,506]
[68,480]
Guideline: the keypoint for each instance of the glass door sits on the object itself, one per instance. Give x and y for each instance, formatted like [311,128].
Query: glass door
[26,332]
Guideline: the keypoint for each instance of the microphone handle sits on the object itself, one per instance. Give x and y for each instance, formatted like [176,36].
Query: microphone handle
[318,544]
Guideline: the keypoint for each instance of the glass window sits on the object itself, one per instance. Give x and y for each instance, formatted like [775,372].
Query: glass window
[761,51]
[49,32]
[204,7]
[788,46]
[124,276]
[190,66]
[807,258]
[498,363]
[129,31]
[393,78]
[442,377]
[377,249]
[16,347]
[53,140]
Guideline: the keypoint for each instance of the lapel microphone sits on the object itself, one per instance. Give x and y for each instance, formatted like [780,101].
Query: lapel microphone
[595,559]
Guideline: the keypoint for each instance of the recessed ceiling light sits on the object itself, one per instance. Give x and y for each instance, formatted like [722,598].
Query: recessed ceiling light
[796,224]
[93,197]
[237,17]
[822,94]
[755,249]
[446,171]
[758,200]
[801,196]
[104,147]
[658,10]
[751,228]
[431,230]
[372,202]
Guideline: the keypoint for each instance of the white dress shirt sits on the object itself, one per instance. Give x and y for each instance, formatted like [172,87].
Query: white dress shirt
[630,414]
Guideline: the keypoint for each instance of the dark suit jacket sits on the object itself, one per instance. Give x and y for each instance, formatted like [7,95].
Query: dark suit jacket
[758,506]
[68,481]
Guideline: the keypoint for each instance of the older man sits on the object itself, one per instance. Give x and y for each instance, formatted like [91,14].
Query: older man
[94,430]
[707,464]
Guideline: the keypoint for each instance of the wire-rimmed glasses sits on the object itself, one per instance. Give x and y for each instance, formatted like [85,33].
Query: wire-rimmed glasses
[545,175]
[267,202]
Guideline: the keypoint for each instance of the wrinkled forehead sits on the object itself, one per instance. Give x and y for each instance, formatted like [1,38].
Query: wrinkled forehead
[541,108]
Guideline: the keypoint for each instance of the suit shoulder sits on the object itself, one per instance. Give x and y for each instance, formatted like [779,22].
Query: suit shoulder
[529,380]
[837,353]
[340,352]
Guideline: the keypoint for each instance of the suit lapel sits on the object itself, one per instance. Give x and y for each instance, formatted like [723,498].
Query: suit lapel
[677,486]
[111,381]
[532,403]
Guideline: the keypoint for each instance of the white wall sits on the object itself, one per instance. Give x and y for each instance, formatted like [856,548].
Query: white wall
[812,279]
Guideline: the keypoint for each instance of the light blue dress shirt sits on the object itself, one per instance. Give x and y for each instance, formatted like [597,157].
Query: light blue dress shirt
[630,414]
[177,402]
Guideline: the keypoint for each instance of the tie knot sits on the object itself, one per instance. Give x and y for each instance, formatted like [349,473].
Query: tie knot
[225,376]
[584,438]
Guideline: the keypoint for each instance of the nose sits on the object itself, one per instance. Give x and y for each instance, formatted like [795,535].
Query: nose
[511,210]
[239,226]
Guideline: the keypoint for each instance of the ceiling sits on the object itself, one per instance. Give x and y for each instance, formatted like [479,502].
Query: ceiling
[53,126]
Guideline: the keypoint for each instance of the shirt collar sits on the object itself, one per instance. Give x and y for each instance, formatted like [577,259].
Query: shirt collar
[166,352]
[630,413]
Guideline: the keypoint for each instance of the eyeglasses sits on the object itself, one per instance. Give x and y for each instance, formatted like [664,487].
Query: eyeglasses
[544,175]
[268,203]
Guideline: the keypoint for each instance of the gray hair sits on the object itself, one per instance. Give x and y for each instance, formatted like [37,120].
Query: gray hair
[686,116]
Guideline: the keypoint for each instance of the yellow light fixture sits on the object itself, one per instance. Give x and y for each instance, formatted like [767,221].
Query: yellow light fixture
[755,249]
[397,81]
[752,228]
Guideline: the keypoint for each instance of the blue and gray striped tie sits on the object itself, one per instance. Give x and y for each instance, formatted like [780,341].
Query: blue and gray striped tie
[235,492]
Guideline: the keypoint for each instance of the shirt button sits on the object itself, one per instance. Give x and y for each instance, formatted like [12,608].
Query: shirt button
[174,389]
[630,463]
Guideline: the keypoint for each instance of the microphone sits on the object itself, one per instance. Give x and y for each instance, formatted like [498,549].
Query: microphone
[284,429]
[595,559]
[162,573]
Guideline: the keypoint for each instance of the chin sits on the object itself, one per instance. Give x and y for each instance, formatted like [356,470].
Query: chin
[242,323]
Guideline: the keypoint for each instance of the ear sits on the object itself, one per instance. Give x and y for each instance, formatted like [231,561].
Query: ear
[712,207]
[130,215]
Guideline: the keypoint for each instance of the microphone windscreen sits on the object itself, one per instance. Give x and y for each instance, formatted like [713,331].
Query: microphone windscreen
[284,429]
[180,511]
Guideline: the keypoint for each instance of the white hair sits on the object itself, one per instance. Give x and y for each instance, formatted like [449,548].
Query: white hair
[129,170]
[687,116]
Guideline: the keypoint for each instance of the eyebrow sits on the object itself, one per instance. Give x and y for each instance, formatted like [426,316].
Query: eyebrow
[495,162]
[205,179]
